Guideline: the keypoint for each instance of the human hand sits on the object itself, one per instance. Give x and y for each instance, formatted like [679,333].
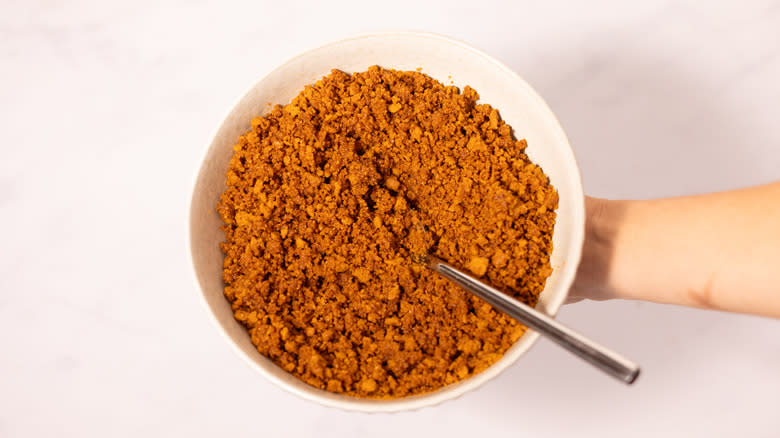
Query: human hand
[716,251]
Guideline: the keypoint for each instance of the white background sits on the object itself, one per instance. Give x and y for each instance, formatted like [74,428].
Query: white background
[105,111]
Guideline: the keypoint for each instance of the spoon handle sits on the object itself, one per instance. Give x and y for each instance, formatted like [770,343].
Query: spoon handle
[597,355]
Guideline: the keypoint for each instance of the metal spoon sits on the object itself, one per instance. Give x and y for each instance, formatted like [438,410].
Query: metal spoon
[597,355]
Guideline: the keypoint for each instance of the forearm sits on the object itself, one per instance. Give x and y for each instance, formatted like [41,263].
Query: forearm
[717,251]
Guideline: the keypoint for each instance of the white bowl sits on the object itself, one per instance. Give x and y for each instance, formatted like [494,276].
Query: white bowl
[445,60]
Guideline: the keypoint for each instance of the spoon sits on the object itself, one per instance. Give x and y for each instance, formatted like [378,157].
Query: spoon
[597,355]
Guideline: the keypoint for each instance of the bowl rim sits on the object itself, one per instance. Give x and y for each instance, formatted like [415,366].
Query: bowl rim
[423,400]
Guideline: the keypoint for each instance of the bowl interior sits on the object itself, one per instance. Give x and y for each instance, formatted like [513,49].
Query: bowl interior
[448,61]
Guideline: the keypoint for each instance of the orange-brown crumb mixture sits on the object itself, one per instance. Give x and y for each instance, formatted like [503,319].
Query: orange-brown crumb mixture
[330,198]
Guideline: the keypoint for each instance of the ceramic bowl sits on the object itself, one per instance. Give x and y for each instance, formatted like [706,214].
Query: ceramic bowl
[448,61]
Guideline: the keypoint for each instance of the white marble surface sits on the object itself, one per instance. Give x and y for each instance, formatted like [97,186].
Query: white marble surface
[106,109]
